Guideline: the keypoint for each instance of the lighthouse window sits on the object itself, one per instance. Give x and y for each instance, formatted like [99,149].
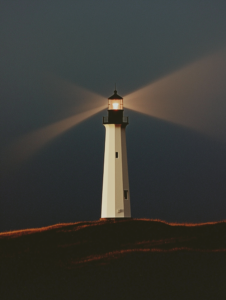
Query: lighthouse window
[125,194]
[116,154]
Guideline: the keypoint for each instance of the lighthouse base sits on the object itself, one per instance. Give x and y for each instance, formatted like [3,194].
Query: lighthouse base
[115,219]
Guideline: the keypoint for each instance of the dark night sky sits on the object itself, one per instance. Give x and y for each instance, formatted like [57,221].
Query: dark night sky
[176,173]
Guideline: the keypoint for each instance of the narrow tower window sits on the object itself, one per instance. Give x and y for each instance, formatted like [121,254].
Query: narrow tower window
[125,194]
[116,154]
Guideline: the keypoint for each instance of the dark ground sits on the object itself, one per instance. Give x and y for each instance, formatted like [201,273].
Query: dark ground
[107,259]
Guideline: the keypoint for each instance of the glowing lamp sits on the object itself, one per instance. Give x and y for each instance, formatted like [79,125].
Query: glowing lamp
[115,105]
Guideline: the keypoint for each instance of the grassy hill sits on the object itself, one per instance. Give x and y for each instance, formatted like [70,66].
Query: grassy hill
[114,259]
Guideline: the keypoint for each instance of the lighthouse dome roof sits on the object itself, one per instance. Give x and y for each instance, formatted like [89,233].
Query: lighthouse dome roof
[115,96]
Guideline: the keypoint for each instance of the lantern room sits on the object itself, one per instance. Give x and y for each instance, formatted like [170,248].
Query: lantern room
[115,111]
[115,102]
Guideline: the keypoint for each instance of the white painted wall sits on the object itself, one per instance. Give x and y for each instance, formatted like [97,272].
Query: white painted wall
[115,179]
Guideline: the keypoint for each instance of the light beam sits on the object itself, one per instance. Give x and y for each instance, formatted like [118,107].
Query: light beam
[194,96]
[74,102]
[67,98]
[26,146]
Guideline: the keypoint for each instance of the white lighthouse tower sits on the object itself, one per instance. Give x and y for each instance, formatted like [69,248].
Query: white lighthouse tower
[116,193]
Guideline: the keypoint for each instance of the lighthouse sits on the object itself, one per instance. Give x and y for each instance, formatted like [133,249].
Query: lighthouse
[116,192]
